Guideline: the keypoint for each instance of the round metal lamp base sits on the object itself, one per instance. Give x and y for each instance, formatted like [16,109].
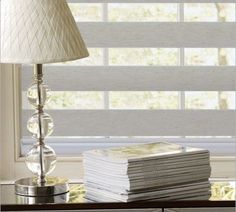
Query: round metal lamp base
[30,187]
[62,198]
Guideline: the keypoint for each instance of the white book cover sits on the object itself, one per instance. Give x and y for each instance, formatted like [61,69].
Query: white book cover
[142,152]
[99,195]
[155,172]
[141,167]
[155,182]
[199,196]
[157,191]
[144,190]
[193,156]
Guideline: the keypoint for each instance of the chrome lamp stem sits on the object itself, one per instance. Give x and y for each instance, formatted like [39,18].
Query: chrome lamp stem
[38,78]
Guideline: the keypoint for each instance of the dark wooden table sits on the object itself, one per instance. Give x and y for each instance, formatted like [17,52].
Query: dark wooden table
[74,200]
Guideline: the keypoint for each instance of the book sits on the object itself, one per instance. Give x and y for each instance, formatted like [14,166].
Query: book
[146,184]
[143,167]
[158,195]
[154,171]
[143,152]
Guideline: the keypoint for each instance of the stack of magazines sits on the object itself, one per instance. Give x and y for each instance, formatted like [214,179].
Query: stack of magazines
[154,171]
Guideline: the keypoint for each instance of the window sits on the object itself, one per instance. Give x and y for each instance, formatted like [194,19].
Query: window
[156,71]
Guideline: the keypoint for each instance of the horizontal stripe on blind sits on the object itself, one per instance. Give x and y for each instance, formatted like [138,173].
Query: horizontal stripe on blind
[73,145]
[141,123]
[151,1]
[159,34]
[108,78]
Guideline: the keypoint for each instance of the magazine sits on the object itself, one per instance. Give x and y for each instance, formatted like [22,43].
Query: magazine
[150,172]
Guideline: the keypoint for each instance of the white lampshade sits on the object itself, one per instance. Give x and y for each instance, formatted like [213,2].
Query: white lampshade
[39,31]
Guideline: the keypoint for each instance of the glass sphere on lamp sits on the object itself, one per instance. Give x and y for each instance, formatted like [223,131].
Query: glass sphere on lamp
[32,94]
[46,125]
[33,158]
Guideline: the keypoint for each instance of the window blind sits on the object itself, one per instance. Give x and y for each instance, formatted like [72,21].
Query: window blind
[156,69]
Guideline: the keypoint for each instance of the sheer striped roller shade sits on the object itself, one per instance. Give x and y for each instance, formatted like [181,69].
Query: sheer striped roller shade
[156,68]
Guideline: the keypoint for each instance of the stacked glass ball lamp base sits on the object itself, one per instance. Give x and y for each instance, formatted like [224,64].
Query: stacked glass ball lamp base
[41,159]
[30,187]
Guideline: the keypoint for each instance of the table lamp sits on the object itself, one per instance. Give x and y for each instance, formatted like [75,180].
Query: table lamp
[37,32]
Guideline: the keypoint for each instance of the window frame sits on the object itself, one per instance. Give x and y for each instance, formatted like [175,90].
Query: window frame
[12,165]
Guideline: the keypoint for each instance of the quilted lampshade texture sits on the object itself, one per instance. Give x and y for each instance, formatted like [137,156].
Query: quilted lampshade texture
[39,31]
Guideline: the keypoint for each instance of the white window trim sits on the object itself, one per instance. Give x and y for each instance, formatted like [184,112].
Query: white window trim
[12,164]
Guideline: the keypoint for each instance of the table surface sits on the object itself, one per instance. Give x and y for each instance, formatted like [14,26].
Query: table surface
[223,195]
